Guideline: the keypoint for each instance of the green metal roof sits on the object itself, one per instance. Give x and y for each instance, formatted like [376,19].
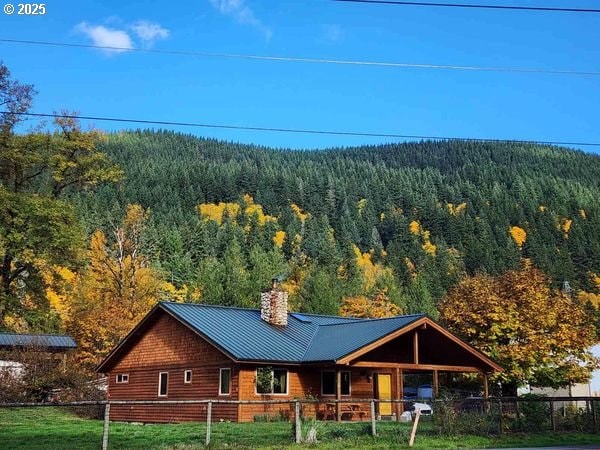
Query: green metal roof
[46,341]
[241,334]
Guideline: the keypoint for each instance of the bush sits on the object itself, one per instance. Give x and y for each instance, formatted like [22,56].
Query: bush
[533,415]
[449,420]
[43,377]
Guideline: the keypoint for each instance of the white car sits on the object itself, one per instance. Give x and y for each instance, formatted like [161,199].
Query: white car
[423,407]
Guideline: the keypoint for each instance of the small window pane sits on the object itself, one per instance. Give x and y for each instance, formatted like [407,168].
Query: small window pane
[163,382]
[188,376]
[280,381]
[122,378]
[328,383]
[264,380]
[225,383]
[345,383]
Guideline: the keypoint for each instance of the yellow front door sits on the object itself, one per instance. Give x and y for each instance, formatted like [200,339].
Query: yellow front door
[384,392]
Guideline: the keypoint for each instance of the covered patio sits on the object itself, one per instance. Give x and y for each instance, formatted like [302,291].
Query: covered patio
[422,347]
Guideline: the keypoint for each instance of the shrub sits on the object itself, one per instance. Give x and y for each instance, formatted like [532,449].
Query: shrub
[533,415]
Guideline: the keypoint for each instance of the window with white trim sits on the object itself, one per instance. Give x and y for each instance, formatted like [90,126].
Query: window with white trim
[271,381]
[122,378]
[187,376]
[224,381]
[163,384]
[329,382]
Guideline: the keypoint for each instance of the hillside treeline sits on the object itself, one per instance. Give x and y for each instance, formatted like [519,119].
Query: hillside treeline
[424,214]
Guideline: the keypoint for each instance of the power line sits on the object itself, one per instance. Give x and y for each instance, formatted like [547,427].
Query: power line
[475,6]
[309,60]
[303,131]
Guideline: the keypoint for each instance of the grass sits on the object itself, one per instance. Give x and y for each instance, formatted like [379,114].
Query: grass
[56,428]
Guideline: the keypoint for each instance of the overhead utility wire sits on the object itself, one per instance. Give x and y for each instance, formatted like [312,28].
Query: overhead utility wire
[309,60]
[475,6]
[299,130]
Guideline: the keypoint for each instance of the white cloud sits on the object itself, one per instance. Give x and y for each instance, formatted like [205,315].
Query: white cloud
[242,14]
[149,32]
[333,33]
[106,37]
[119,37]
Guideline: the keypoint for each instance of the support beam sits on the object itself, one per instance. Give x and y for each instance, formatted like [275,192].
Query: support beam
[400,391]
[436,384]
[338,394]
[410,366]
[416,347]
[486,392]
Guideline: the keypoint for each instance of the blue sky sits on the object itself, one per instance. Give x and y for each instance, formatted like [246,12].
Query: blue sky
[309,95]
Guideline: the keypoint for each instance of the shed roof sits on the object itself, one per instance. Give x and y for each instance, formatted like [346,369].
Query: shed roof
[51,342]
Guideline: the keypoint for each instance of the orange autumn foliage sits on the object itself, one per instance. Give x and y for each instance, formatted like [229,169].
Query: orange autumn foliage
[377,307]
[118,288]
[537,334]
[519,235]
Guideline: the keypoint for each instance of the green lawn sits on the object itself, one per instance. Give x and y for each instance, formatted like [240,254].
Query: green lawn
[55,428]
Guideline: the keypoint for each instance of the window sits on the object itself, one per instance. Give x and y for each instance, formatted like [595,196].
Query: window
[328,382]
[271,381]
[163,384]
[224,381]
[187,377]
[122,378]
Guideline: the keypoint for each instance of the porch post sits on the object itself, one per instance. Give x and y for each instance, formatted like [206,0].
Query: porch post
[338,393]
[436,385]
[416,347]
[399,392]
[486,392]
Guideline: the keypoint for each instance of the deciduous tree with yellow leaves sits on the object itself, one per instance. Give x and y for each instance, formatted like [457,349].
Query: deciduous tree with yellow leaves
[117,290]
[537,334]
[376,307]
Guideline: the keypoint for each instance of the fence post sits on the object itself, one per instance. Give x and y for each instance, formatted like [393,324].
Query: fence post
[501,415]
[208,422]
[414,428]
[594,418]
[552,421]
[373,425]
[106,426]
[298,423]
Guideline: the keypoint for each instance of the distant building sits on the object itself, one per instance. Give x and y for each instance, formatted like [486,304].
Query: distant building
[13,343]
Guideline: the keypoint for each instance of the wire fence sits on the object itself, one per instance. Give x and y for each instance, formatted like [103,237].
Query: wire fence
[299,420]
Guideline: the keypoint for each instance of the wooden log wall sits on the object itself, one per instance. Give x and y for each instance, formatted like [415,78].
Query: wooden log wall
[167,346]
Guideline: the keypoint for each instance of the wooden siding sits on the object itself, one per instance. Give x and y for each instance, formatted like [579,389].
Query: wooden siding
[303,383]
[168,346]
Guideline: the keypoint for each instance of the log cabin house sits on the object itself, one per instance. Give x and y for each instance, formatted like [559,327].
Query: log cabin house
[184,351]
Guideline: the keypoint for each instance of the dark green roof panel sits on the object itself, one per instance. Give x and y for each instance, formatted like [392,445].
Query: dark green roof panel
[242,334]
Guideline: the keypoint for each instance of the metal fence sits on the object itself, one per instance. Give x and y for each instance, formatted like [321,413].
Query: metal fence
[467,416]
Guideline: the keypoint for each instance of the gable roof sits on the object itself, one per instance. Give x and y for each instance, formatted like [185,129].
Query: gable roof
[243,336]
[51,342]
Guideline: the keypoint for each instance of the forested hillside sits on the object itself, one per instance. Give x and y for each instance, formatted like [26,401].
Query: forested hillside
[411,218]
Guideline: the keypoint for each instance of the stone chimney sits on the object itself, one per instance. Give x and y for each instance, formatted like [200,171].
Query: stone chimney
[274,306]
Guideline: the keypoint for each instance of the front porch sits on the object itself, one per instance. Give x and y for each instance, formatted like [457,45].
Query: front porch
[424,348]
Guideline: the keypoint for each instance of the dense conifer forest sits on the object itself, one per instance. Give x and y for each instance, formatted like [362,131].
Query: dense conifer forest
[408,220]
